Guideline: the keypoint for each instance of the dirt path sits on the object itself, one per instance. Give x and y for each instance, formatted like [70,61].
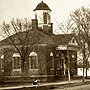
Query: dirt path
[82,87]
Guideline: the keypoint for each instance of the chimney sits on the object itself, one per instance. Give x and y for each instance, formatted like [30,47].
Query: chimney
[51,28]
[34,24]
[48,29]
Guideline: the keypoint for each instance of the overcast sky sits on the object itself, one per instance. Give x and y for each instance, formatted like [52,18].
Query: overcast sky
[24,8]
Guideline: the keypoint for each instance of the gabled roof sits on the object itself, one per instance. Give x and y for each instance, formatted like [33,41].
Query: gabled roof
[42,6]
[38,37]
[62,39]
[34,37]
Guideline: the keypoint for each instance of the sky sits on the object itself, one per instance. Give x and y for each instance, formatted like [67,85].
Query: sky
[24,8]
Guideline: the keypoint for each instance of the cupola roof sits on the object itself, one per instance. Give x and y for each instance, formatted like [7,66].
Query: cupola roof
[42,6]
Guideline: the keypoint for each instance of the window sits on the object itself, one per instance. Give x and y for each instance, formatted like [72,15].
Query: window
[33,61]
[80,69]
[73,40]
[2,63]
[16,61]
[73,56]
[48,18]
[45,17]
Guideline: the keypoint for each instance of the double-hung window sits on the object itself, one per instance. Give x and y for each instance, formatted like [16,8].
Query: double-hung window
[33,60]
[2,63]
[16,62]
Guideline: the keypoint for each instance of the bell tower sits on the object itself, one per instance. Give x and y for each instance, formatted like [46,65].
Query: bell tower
[42,14]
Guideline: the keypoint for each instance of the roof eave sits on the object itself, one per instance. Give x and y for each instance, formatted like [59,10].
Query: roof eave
[41,9]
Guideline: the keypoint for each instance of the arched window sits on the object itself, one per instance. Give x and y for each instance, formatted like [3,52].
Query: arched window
[16,61]
[33,60]
[2,63]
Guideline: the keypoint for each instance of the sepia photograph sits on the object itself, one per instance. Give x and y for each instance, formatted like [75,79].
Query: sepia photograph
[44,44]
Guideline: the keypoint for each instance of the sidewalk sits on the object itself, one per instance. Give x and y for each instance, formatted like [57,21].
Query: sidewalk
[41,84]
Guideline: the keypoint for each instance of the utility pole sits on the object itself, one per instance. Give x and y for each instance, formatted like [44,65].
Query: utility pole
[69,79]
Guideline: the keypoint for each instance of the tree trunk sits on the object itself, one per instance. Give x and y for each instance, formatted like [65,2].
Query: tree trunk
[86,67]
[83,61]
[83,72]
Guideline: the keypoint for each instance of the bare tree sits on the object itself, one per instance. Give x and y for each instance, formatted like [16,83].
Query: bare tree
[20,35]
[79,24]
[81,27]
[66,28]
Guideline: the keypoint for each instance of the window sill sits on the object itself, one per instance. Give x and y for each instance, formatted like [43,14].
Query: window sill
[32,69]
[16,70]
[2,70]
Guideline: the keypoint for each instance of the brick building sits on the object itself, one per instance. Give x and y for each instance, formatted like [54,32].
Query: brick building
[49,56]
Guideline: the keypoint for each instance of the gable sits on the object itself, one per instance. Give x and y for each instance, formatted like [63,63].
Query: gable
[73,42]
[62,39]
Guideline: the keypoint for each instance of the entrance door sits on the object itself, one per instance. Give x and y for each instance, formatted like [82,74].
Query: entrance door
[61,64]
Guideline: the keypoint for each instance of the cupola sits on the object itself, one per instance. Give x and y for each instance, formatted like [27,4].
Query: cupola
[42,14]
